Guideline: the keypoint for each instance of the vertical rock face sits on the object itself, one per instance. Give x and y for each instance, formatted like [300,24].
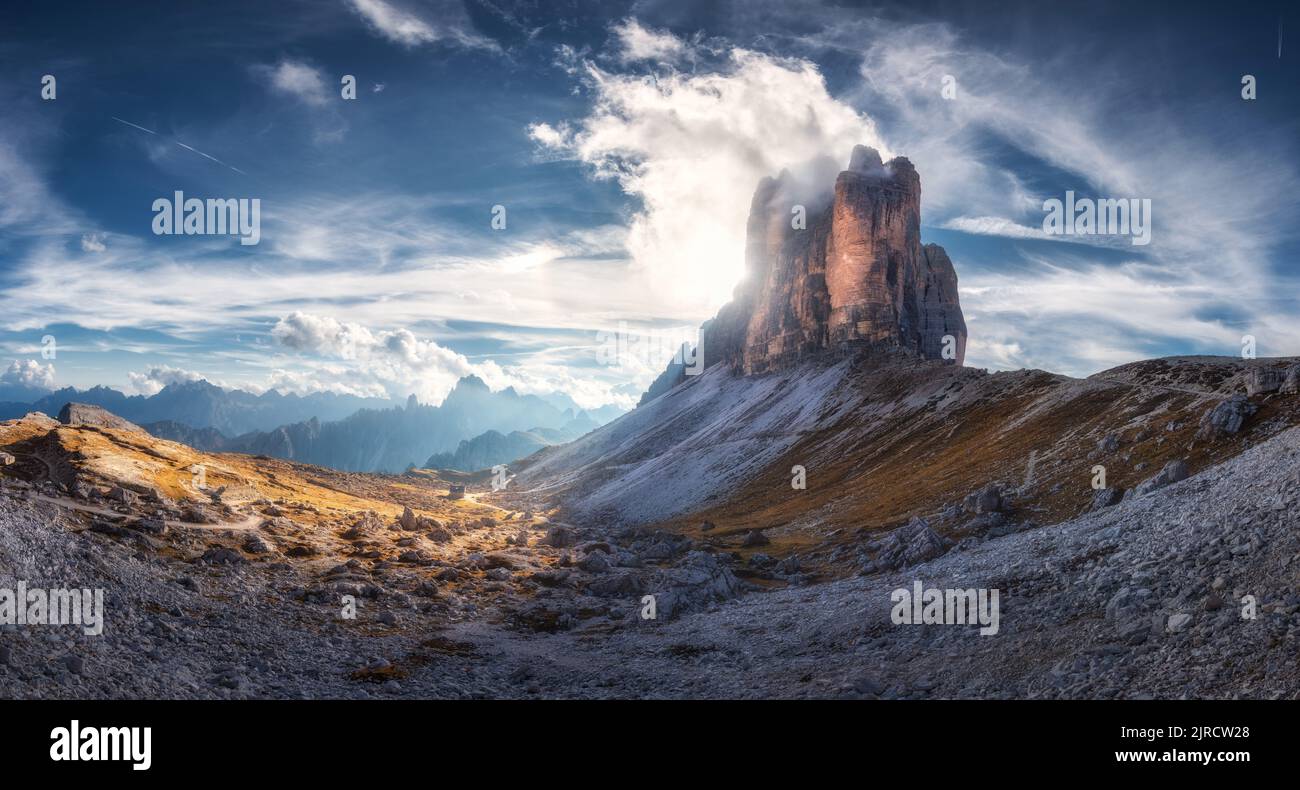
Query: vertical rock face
[855,275]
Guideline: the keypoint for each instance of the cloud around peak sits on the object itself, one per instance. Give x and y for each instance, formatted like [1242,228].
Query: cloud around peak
[691,146]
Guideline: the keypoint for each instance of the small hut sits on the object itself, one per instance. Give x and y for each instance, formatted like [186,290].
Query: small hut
[456,492]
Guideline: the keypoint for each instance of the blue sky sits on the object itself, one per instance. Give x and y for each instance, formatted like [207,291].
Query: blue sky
[624,141]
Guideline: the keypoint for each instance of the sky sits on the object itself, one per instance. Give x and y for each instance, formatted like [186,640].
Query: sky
[516,187]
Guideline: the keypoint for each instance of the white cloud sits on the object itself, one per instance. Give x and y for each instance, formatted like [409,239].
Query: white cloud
[338,379]
[690,143]
[692,147]
[27,207]
[404,27]
[93,242]
[396,363]
[641,43]
[298,79]
[29,373]
[1202,282]
[395,360]
[153,380]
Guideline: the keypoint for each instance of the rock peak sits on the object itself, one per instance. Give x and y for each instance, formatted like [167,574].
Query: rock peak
[854,274]
[866,159]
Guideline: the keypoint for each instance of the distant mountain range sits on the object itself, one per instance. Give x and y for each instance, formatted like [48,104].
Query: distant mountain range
[340,431]
[200,404]
[390,440]
[493,447]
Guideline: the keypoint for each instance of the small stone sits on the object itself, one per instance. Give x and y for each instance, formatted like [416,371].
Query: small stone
[74,664]
[868,685]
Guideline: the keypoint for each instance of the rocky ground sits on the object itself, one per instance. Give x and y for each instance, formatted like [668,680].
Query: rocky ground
[1140,598]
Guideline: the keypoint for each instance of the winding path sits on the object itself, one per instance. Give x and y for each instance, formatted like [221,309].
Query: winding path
[249,523]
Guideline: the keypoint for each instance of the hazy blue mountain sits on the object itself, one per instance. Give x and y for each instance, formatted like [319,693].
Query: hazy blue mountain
[390,440]
[600,415]
[209,440]
[200,404]
[11,394]
[492,447]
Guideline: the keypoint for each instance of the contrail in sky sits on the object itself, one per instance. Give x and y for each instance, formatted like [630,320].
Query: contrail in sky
[182,145]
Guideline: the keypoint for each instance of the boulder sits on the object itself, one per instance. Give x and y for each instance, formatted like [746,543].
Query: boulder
[906,546]
[154,526]
[1261,380]
[699,580]
[595,562]
[1291,384]
[86,414]
[122,495]
[1105,497]
[559,537]
[1171,473]
[222,556]
[988,499]
[1225,418]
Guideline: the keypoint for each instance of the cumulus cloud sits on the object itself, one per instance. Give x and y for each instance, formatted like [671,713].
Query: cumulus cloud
[394,360]
[395,363]
[338,379]
[153,380]
[28,373]
[641,43]
[693,146]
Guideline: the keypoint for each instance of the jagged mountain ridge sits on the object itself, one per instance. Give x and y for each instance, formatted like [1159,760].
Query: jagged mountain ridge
[342,432]
[391,440]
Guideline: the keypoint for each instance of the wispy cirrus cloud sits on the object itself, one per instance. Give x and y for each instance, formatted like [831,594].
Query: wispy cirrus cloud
[445,21]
